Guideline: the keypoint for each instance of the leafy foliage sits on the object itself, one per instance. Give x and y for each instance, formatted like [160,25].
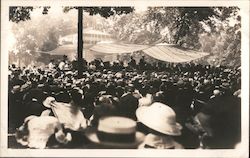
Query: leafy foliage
[108,11]
[42,34]
[224,42]
[200,28]
[18,13]
[39,34]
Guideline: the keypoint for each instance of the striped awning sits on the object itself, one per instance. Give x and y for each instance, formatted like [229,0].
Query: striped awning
[172,53]
[164,52]
[117,48]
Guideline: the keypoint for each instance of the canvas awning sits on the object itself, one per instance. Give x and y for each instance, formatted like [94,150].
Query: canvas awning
[117,48]
[172,53]
[164,52]
[69,50]
[63,50]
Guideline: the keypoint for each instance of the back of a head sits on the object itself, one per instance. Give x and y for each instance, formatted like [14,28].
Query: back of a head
[128,105]
[101,110]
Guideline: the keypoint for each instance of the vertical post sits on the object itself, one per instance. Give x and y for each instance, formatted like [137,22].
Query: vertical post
[80,42]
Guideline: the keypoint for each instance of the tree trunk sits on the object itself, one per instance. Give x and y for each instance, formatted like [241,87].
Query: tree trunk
[80,42]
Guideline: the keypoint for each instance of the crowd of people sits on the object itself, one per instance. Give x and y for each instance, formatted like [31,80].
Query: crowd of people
[174,105]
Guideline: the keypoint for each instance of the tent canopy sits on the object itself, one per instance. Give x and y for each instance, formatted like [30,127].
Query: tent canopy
[69,50]
[174,54]
[117,48]
[104,43]
[164,52]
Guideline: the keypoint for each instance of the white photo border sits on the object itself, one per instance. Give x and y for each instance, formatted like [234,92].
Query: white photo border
[242,152]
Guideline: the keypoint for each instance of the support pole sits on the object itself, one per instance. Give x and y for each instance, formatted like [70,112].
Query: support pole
[80,43]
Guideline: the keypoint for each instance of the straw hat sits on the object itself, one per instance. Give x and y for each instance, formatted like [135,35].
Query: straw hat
[159,117]
[115,132]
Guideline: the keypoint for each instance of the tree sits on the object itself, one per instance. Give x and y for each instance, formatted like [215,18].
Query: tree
[200,28]
[224,40]
[39,34]
[17,14]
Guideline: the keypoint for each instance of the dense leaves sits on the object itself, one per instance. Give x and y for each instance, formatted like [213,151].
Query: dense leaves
[224,43]
[208,29]
[108,11]
[17,14]
[40,34]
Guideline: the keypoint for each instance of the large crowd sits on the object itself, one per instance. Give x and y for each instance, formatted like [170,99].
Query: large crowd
[174,105]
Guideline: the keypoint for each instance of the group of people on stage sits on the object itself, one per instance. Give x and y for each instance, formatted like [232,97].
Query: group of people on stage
[115,106]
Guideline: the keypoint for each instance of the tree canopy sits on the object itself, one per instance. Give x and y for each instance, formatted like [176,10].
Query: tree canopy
[19,13]
[43,34]
[190,27]
[216,30]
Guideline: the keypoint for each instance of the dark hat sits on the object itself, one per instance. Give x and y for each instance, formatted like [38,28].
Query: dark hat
[129,100]
[128,105]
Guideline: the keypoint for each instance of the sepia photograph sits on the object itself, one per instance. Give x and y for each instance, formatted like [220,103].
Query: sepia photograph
[137,76]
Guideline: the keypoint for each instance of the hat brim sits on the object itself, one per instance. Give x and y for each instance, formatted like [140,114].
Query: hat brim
[143,116]
[91,134]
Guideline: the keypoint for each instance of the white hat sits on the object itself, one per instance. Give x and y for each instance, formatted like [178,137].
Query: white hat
[159,117]
[47,102]
[39,131]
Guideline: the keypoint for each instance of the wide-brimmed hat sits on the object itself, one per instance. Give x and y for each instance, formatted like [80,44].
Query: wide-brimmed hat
[160,118]
[115,132]
[39,131]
